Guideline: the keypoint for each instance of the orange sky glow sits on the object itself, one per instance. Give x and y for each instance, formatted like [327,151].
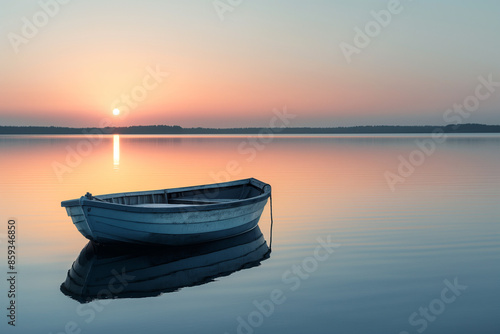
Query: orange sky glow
[185,64]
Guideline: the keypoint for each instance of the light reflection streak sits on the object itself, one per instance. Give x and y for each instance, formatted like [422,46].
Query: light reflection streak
[116,151]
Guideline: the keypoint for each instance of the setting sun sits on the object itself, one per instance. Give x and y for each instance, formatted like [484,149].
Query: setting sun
[116,111]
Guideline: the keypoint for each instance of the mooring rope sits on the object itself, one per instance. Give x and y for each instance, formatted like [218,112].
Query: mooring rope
[271,232]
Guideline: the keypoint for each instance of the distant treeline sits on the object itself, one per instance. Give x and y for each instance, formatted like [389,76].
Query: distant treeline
[167,129]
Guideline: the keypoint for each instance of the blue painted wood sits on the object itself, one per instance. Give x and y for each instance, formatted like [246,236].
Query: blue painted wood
[177,216]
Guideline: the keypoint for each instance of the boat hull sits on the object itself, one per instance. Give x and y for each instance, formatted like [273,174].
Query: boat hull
[166,224]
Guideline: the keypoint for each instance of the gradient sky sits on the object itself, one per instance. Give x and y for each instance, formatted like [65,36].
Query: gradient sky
[89,54]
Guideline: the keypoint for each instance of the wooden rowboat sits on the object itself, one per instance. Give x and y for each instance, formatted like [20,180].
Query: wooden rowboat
[178,216]
[109,271]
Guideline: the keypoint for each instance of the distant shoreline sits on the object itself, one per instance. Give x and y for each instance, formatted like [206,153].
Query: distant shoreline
[177,130]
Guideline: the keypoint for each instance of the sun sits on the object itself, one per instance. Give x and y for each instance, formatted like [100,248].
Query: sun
[116,111]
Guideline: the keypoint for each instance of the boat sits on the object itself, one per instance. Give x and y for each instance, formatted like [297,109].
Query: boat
[179,216]
[150,271]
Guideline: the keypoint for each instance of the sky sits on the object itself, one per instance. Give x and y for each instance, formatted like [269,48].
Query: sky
[233,63]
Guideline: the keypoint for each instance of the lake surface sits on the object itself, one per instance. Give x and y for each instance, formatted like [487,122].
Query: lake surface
[371,234]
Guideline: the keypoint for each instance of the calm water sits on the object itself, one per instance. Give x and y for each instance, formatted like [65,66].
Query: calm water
[422,257]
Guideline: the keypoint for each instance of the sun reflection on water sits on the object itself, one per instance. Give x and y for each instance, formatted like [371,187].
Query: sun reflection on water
[116,151]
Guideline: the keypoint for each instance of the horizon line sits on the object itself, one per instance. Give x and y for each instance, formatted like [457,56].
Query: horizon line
[178,130]
[247,127]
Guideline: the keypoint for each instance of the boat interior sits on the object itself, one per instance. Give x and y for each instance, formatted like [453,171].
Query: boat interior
[190,196]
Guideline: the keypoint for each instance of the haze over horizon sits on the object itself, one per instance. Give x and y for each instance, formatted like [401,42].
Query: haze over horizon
[213,64]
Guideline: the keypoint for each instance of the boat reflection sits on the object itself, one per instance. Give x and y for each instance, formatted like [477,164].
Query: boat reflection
[103,272]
